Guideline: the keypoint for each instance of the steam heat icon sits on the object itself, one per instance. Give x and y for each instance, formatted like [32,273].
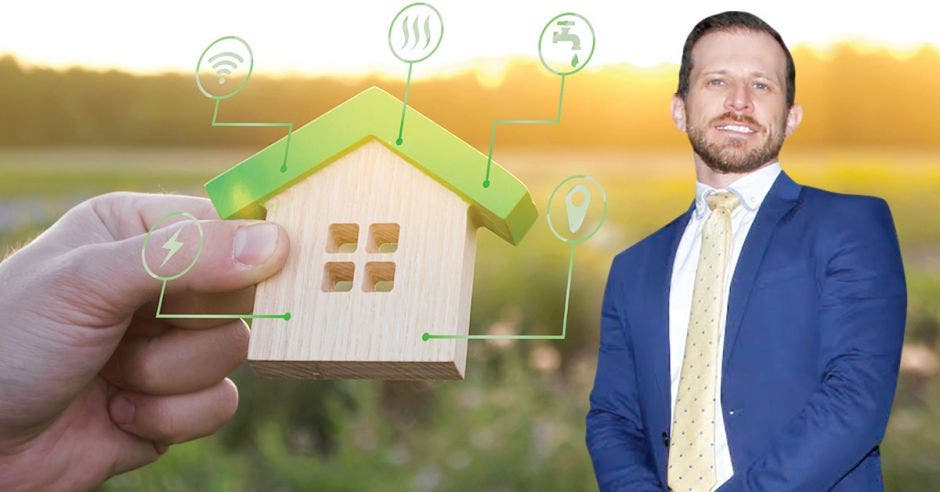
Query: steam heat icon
[417,36]
[228,62]
[415,32]
[412,44]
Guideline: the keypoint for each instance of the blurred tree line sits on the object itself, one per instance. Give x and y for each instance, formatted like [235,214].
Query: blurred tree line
[851,96]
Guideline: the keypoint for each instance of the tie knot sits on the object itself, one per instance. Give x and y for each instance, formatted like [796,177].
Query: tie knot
[723,200]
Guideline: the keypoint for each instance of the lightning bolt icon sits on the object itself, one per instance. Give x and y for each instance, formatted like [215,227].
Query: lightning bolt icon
[172,245]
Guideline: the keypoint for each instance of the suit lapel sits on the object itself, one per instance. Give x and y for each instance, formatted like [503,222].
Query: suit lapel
[661,279]
[781,198]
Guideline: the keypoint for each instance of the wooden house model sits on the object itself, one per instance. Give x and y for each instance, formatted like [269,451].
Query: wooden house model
[383,242]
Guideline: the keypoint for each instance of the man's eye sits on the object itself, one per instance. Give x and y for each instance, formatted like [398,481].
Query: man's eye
[761,86]
[715,82]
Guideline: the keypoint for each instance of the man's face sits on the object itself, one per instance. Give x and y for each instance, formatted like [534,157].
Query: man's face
[736,112]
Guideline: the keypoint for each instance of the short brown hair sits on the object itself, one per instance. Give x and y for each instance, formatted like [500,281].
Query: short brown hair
[730,21]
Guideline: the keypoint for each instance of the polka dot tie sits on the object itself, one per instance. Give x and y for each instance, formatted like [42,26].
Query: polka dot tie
[692,442]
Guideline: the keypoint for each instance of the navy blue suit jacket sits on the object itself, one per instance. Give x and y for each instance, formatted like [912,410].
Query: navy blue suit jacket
[812,345]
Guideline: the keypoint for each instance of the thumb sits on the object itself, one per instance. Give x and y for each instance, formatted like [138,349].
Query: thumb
[188,255]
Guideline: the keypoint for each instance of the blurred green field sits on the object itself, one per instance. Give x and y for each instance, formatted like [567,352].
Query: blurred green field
[517,422]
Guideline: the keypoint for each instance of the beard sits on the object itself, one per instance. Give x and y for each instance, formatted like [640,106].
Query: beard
[732,156]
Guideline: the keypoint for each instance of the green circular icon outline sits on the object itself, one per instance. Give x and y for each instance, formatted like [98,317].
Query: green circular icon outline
[251,67]
[155,226]
[586,61]
[392,25]
[548,209]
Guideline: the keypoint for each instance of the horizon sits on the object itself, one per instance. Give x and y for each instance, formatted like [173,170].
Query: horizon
[496,67]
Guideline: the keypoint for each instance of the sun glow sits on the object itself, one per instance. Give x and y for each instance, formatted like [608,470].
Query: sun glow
[351,37]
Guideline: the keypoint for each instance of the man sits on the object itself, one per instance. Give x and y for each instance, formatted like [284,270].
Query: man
[753,343]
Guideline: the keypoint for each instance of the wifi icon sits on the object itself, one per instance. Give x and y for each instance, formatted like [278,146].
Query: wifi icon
[228,61]
[224,67]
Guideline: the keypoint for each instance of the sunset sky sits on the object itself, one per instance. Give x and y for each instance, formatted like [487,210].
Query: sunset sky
[350,36]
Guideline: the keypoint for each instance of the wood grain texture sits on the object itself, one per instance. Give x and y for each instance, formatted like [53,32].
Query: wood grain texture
[360,333]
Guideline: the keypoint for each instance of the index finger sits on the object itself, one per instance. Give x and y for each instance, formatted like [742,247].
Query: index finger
[128,214]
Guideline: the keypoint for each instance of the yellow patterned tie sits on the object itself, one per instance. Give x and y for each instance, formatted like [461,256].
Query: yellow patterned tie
[692,443]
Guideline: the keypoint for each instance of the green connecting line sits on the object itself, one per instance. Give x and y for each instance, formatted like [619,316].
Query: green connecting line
[404,105]
[290,129]
[564,325]
[160,315]
[489,156]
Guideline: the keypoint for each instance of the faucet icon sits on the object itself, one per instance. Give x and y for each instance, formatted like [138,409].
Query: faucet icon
[564,35]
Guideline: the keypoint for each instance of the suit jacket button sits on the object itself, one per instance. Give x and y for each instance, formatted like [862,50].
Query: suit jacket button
[665,439]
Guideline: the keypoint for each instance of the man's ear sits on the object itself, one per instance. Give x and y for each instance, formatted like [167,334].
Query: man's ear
[794,117]
[678,112]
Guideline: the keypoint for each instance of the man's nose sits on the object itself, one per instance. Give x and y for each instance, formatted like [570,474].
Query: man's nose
[739,99]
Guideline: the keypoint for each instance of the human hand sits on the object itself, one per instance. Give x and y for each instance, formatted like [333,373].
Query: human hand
[91,383]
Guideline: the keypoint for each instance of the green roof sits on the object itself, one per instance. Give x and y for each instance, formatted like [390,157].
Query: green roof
[505,207]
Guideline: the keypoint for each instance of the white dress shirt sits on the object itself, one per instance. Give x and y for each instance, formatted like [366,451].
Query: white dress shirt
[751,189]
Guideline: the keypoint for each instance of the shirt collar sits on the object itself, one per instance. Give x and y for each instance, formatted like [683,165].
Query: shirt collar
[750,188]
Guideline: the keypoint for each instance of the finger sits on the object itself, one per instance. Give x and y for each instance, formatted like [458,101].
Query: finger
[178,361]
[238,302]
[205,256]
[111,280]
[176,418]
[120,215]
[133,452]
[128,214]
[143,324]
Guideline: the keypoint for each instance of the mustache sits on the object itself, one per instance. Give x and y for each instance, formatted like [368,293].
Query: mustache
[737,118]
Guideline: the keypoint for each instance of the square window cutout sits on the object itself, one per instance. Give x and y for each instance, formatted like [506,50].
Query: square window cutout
[338,276]
[383,238]
[342,238]
[380,276]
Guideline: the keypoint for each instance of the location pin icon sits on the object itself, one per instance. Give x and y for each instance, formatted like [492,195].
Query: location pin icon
[576,213]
